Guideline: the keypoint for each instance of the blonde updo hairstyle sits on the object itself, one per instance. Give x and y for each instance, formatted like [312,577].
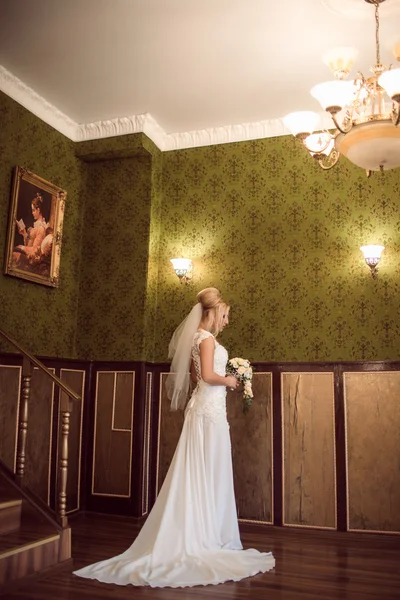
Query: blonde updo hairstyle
[214,309]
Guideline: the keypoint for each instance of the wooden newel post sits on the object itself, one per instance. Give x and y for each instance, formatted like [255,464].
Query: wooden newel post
[23,417]
[66,407]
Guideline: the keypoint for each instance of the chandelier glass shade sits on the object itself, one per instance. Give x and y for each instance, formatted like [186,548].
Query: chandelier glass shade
[365,113]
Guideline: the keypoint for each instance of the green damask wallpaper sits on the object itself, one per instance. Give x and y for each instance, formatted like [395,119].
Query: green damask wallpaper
[150,334]
[259,219]
[43,319]
[114,259]
[120,248]
[280,238]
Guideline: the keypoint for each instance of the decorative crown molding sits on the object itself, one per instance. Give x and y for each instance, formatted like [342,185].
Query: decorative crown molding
[145,123]
[24,95]
[225,135]
[122,126]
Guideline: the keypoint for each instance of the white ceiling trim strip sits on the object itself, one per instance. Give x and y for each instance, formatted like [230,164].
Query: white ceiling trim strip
[24,95]
[21,93]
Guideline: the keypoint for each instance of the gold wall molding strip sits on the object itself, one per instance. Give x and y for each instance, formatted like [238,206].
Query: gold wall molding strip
[146,444]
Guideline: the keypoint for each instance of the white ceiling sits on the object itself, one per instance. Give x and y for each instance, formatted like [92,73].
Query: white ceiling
[191,65]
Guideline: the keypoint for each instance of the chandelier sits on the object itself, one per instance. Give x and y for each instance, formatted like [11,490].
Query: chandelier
[365,113]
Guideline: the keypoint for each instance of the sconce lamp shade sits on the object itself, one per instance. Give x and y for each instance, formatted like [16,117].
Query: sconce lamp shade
[372,254]
[183,268]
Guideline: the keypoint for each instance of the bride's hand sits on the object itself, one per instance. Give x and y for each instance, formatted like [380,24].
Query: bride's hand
[231,382]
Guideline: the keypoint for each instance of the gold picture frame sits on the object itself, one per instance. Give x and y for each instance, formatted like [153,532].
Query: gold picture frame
[34,235]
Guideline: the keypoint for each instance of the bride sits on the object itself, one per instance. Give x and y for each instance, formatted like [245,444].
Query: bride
[191,536]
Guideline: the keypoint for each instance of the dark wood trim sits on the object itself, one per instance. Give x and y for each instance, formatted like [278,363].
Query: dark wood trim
[340,437]
[86,428]
[138,439]
[133,506]
[277,446]
[54,443]
[156,370]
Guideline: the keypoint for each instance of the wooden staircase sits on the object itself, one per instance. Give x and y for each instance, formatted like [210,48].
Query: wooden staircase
[10,512]
[31,540]
[33,536]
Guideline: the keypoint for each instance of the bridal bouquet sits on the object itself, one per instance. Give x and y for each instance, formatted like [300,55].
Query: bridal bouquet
[243,371]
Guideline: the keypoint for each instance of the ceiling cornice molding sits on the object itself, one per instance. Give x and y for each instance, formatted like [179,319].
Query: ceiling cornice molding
[145,123]
[123,126]
[24,95]
[225,135]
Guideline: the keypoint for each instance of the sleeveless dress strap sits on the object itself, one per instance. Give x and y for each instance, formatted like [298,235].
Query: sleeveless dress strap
[201,335]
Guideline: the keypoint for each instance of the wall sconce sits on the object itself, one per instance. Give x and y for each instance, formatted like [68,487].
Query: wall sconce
[183,268]
[372,255]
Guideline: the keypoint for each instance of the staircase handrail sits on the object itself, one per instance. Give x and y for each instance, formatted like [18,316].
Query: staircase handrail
[65,388]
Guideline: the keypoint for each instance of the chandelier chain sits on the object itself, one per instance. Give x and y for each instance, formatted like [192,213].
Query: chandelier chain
[378,50]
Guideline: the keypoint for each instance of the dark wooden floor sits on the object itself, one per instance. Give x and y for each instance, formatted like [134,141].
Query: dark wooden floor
[310,564]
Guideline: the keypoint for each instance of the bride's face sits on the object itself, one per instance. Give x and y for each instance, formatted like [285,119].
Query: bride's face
[225,318]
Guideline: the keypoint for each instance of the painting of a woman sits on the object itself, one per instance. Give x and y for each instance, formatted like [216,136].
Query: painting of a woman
[35,229]
[29,254]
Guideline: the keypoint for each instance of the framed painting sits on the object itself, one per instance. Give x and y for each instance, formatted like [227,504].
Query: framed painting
[34,235]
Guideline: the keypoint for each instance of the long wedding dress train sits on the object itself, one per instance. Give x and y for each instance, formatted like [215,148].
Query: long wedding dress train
[191,536]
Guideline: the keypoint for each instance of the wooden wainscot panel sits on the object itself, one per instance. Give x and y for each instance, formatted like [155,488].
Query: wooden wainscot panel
[372,411]
[10,384]
[169,429]
[75,379]
[251,437]
[309,483]
[112,452]
[39,436]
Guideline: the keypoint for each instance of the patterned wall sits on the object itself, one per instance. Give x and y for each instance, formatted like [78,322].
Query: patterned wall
[98,311]
[150,334]
[43,319]
[260,219]
[281,238]
[120,247]
[115,250]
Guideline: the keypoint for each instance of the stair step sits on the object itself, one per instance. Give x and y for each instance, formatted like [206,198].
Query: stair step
[31,540]
[31,530]
[28,546]
[24,560]
[10,515]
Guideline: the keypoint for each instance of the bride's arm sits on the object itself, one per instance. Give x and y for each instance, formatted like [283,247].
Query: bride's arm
[207,366]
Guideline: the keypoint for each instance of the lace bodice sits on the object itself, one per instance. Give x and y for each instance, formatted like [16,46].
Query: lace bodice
[209,400]
[220,354]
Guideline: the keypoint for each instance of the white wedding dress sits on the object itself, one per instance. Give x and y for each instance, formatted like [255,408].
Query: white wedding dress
[191,536]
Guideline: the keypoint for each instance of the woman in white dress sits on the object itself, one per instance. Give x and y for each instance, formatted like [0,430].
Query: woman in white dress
[191,536]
